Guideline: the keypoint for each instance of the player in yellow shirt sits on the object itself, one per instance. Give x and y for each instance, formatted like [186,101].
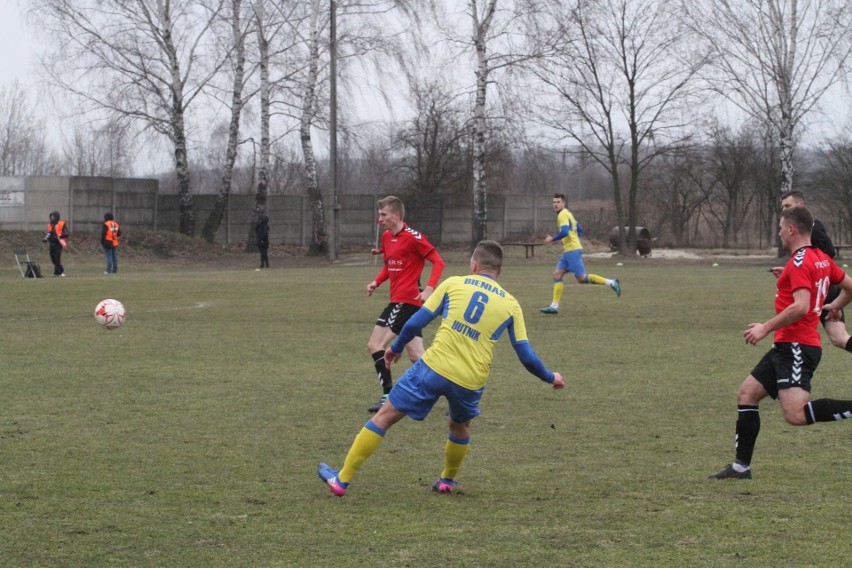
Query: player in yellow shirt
[475,312]
[572,256]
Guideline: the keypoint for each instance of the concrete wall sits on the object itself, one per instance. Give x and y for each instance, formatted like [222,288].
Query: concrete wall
[26,202]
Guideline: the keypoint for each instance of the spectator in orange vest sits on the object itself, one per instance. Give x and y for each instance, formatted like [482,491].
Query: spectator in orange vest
[57,236]
[110,231]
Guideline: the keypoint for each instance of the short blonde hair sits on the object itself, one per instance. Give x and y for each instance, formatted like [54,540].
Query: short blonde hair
[489,255]
[393,203]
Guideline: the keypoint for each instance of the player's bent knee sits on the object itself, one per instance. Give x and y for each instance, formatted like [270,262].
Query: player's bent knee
[795,417]
[748,396]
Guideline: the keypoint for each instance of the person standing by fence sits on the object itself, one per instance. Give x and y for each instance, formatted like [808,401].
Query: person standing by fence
[261,233]
[110,231]
[57,236]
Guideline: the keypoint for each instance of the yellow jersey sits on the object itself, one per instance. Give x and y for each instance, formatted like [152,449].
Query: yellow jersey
[571,241]
[476,311]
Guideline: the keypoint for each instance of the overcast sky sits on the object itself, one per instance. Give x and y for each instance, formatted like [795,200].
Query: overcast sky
[18,45]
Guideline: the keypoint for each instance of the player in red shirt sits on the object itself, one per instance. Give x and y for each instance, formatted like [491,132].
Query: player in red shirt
[785,371]
[405,252]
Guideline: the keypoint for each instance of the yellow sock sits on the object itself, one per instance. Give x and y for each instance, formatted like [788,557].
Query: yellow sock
[558,285]
[595,279]
[363,446]
[454,453]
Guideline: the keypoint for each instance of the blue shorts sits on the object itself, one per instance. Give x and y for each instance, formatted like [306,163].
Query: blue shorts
[572,261]
[418,389]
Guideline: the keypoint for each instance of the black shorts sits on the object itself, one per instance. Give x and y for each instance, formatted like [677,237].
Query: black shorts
[833,292]
[395,315]
[787,365]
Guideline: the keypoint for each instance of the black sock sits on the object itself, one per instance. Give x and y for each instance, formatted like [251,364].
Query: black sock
[748,427]
[828,410]
[849,345]
[383,372]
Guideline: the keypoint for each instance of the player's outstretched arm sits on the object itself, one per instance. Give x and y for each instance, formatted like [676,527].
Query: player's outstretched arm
[533,364]
[412,327]
[558,381]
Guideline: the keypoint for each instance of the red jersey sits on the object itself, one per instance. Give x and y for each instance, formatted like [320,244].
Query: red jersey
[404,256]
[808,268]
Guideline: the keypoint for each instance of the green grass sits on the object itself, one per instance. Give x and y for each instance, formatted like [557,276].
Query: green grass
[190,437]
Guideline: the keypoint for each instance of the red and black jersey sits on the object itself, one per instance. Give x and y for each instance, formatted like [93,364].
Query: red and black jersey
[810,268]
[404,257]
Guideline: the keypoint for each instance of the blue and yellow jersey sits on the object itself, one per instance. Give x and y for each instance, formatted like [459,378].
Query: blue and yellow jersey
[568,231]
[475,312]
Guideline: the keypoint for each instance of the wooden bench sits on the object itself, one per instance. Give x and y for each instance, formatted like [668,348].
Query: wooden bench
[529,248]
[840,248]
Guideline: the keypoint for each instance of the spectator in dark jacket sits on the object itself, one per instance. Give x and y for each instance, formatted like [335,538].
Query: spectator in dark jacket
[262,236]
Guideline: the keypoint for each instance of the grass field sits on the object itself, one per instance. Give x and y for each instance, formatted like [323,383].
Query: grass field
[190,437]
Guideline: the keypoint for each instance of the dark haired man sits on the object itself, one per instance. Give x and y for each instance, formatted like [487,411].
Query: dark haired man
[572,256]
[785,371]
[834,328]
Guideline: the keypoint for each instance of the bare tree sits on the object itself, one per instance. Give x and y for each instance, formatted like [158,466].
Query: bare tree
[675,194]
[23,138]
[494,38]
[432,143]
[259,209]
[730,166]
[236,47]
[775,59]
[146,60]
[833,181]
[94,149]
[619,87]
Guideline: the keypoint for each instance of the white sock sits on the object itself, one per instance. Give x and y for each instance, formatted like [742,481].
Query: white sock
[610,283]
[740,468]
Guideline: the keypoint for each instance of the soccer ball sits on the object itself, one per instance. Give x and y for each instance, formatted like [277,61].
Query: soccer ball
[109,314]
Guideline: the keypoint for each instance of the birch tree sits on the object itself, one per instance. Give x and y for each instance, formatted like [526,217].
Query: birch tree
[618,88]
[775,59]
[259,209]
[501,35]
[237,50]
[365,32]
[146,60]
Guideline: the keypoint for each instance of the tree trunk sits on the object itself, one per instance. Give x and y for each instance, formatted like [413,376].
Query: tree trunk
[480,193]
[319,232]
[184,183]
[214,220]
[259,209]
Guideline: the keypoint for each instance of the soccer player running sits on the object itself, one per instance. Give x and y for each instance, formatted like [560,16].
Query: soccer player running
[476,311]
[405,252]
[572,256]
[834,328]
[785,371]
